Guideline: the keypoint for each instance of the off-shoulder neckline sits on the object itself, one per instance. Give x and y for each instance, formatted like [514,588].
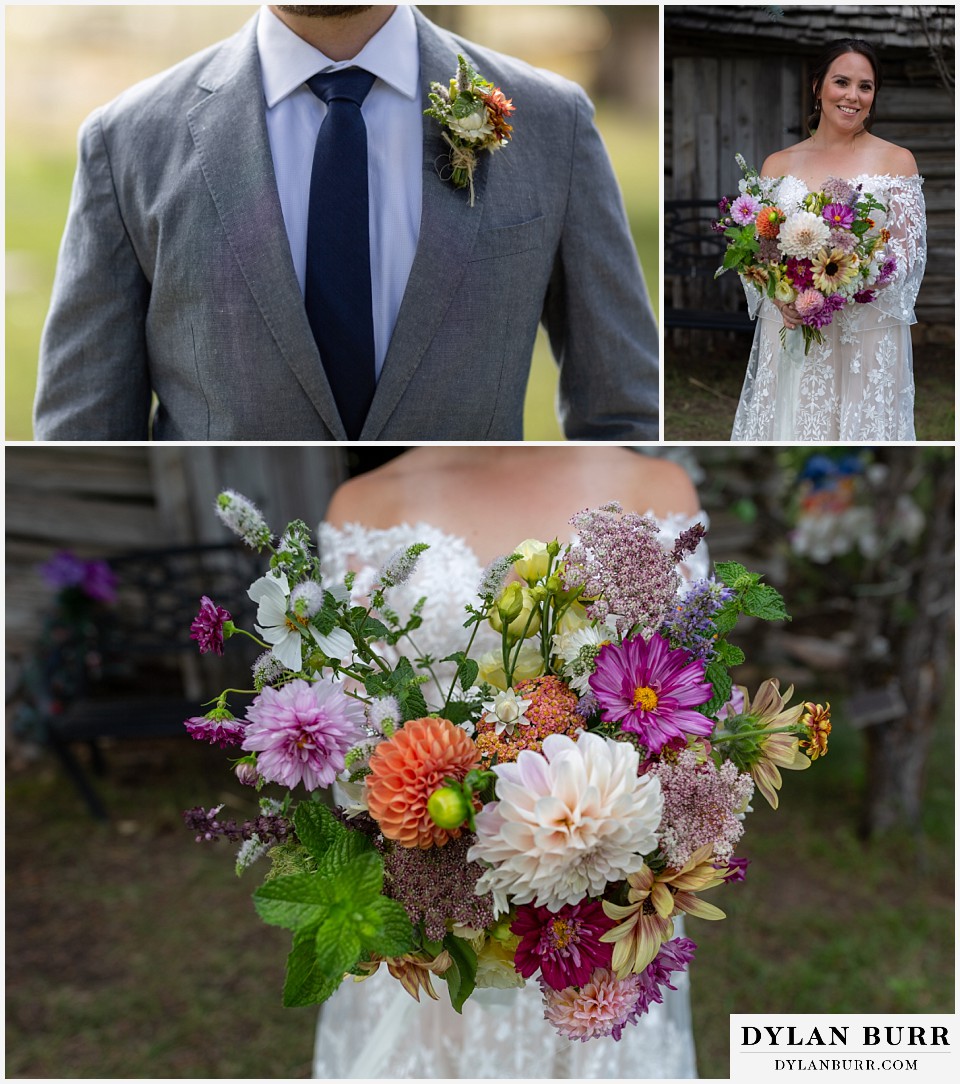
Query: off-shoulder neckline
[850,180]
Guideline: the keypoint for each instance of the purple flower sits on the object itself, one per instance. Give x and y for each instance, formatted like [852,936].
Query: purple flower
[800,272]
[96,579]
[673,956]
[650,689]
[887,271]
[564,946]
[207,626]
[218,727]
[691,624]
[824,315]
[864,297]
[736,870]
[744,210]
[838,191]
[843,240]
[839,216]
[303,732]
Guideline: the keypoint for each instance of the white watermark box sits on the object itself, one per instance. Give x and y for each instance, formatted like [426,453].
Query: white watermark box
[838,1047]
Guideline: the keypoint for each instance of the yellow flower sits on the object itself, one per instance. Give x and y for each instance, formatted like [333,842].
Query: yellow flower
[534,560]
[529,665]
[769,711]
[647,920]
[411,970]
[833,269]
[506,609]
[817,721]
[785,292]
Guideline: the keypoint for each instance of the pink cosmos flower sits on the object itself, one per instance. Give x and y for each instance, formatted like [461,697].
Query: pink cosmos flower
[302,732]
[598,1008]
[744,210]
[207,626]
[650,689]
[839,216]
[564,946]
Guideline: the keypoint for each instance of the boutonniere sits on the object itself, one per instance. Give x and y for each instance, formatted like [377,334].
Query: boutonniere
[474,114]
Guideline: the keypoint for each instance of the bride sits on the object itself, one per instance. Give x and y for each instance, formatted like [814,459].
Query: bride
[857,384]
[471,505]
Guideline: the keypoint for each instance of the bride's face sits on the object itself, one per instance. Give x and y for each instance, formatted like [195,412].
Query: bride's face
[847,92]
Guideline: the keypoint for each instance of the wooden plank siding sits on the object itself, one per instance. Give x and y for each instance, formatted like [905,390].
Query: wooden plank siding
[101,501]
[735,80]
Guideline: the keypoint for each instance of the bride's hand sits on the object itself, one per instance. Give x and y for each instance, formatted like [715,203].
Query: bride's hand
[791,318]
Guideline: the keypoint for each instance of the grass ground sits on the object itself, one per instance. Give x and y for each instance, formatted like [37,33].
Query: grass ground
[133,951]
[702,389]
[38,179]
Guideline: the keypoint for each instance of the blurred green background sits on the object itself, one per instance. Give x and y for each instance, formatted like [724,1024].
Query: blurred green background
[62,62]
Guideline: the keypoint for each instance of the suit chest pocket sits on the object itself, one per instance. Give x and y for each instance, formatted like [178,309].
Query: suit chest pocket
[509,240]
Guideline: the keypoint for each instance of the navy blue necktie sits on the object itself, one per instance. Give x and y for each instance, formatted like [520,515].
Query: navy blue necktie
[337,291]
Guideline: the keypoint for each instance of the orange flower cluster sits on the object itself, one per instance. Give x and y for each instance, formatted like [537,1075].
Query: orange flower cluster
[552,711]
[768,222]
[406,769]
[499,108]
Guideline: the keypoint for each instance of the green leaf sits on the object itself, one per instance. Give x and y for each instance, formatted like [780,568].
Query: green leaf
[295,902]
[458,711]
[461,978]
[338,947]
[373,630]
[317,828]
[734,574]
[465,104]
[729,654]
[722,687]
[725,619]
[395,934]
[763,601]
[305,984]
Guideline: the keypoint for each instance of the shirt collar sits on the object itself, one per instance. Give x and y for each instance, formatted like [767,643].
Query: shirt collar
[287,61]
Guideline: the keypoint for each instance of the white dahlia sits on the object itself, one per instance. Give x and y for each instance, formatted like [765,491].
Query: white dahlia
[568,821]
[803,235]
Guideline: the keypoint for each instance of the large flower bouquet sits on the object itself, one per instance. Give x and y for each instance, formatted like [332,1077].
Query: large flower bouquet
[552,811]
[821,255]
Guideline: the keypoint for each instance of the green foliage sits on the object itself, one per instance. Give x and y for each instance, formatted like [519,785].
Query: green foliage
[337,912]
[461,977]
[402,683]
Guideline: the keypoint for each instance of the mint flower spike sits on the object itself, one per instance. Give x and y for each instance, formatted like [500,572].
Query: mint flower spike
[399,566]
[243,518]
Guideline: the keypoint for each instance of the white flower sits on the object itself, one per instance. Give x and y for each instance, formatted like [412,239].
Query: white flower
[578,649]
[508,710]
[474,127]
[283,632]
[803,235]
[568,821]
[790,194]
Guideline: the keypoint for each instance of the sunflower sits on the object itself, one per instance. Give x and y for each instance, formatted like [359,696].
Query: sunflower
[833,269]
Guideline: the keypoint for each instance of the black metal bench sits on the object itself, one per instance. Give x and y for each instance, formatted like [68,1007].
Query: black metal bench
[692,254]
[130,670]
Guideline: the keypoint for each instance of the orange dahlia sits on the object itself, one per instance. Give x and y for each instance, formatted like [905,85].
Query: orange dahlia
[406,769]
[768,221]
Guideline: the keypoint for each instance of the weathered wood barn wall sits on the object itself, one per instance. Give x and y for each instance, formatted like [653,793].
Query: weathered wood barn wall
[737,79]
[102,501]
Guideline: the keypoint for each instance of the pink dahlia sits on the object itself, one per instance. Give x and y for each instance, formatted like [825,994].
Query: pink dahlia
[651,689]
[565,946]
[302,732]
[207,627]
[809,303]
[744,210]
[600,1007]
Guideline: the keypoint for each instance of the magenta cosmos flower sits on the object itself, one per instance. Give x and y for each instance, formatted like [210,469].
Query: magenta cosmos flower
[651,689]
[207,627]
[302,732]
[218,727]
[565,945]
[839,216]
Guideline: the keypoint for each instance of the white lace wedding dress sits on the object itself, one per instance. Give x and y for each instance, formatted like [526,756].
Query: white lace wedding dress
[374,1029]
[857,385]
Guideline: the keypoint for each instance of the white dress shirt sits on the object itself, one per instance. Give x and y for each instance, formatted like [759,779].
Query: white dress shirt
[393,114]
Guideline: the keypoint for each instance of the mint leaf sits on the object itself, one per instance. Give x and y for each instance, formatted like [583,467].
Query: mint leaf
[394,933]
[317,828]
[461,977]
[729,654]
[763,601]
[458,711]
[734,574]
[305,984]
[722,687]
[295,902]
[338,946]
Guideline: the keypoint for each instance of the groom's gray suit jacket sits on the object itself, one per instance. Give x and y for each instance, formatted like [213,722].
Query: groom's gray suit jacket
[175,279]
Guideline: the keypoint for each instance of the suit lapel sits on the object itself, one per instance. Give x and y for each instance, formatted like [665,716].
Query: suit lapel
[230,133]
[448,229]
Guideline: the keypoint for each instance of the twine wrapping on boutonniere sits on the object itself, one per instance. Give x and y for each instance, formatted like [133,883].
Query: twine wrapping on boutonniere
[474,113]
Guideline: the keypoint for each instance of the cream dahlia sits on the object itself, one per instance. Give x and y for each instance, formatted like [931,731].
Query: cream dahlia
[567,821]
[803,234]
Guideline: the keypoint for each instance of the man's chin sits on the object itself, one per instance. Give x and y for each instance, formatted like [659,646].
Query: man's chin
[323,11]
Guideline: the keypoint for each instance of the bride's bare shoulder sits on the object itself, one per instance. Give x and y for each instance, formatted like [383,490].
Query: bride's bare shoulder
[892,159]
[780,163]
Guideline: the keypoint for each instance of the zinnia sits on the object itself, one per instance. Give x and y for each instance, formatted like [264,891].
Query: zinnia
[567,821]
[302,732]
[564,947]
[651,690]
[407,769]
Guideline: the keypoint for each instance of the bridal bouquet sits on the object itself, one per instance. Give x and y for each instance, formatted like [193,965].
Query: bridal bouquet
[555,807]
[820,251]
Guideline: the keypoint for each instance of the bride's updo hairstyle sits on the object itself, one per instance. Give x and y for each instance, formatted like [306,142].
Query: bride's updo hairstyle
[827,57]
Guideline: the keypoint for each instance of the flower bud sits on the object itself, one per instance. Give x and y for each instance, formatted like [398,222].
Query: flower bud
[509,606]
[448,807]
[534,560]
[553,548]
[246,771]
[514,610]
